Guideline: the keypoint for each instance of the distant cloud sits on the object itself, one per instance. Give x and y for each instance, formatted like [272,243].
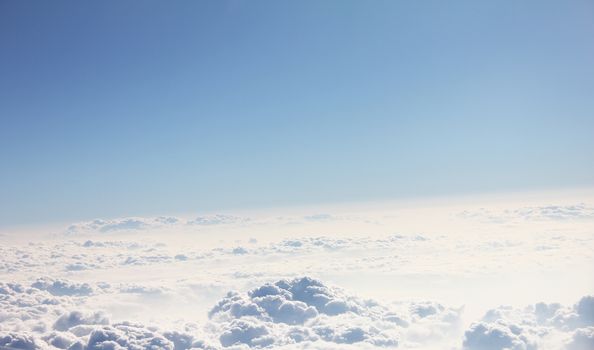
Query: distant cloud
[60,288]
[540,213]
[122,224]
[75,318]
[218,219]
[318,217]
[139,223]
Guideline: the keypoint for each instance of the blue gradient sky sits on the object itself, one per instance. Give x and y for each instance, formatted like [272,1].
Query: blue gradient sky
[115,108]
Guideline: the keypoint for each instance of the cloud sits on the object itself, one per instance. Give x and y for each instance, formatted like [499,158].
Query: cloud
[10,340]
[121,224]
[126,336]
[217,219]
[245,331]
[536,325]
[75,318]
[292,313]
[318,217]
[27,313]
[582,339]
[151,282]
[61,340]
[496,336]
[60,287]
[148,223]
[306,310]
[537,213]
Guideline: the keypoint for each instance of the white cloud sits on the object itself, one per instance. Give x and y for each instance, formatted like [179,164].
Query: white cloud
[121,224]
[59,287]
[498,335]
[582,339]
[75,318]
[534,327]
[306,310]
[11,340]
[217,219]
[536,213]
[158,286]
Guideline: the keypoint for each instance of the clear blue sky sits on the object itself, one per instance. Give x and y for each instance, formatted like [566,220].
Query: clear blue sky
[115,108]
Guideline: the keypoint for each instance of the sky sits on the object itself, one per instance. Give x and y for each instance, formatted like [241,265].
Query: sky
[116,108]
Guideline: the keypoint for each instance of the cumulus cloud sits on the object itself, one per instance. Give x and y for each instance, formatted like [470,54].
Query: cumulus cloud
[294,313]
[537,213]
[306,310]
[75,318]
[121,224]
[11,340]
[61,287]
[146,223]
[535,326]
[496,336]
[318,217]
[217,219]
[582,339]
[33,318]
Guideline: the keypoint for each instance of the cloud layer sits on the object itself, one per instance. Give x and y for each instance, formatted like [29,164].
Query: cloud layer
[164,282]
[294,313]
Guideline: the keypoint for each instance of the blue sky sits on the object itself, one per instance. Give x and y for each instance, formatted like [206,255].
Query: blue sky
[116,108]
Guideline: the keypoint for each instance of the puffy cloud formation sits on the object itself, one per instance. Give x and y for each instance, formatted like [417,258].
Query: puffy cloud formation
[582,339]
[118,336]
[34,318]
[121,224]
[60,288]
[79,256]
[75,318]
[498,335]
[305,310]
[143,223]
[535,326]
[549,212]
[11,340]
[164,272]
[285,313]
[294,313]
[217,219]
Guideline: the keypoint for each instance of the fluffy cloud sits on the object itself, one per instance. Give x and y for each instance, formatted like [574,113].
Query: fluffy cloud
[284,313]
[537,325]
[289,313]
[75,318]
[496,336]
[165,279]
[582,339]
[144,223]
[217,219]
[306,310]
[60,287]
[121,224]
[537,213]
[34,318]
[11,340]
